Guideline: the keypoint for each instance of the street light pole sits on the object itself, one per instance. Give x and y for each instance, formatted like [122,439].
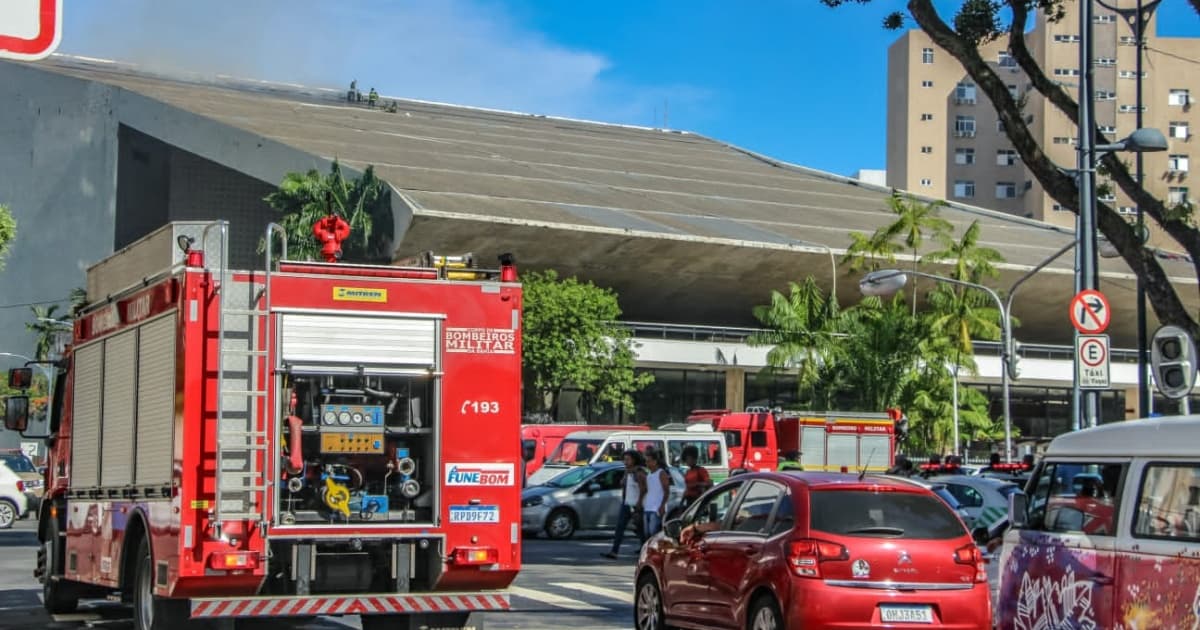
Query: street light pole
[1138,19]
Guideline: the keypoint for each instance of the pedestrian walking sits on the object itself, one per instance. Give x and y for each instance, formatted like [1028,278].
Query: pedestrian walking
[633,489]
[658,485]
[696,478]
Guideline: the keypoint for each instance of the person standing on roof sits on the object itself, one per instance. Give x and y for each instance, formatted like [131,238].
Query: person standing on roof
[791,461]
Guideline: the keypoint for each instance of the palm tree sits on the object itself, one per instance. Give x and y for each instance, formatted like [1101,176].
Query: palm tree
[866,252]
[305,198]
[913,220]
[79,301]
[46,327]
[961,314]
[800,327]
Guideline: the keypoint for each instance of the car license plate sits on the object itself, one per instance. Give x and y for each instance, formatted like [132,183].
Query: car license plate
[906,614]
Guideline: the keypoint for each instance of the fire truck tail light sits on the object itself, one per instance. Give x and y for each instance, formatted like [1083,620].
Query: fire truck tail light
[230,560]
[476,555]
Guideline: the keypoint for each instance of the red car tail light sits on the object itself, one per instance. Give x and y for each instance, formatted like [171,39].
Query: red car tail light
[20,486]
[806,555]
[972,556]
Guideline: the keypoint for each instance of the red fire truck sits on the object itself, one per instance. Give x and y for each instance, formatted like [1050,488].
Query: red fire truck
[304,439]
[829,441]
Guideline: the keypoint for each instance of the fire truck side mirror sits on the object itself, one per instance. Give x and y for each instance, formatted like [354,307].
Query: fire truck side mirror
[16,413]
[20,378]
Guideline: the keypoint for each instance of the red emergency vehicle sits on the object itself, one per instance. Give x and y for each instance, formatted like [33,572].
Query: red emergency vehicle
[826,441]
[300,440]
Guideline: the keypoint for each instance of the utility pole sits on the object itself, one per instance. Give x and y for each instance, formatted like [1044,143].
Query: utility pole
[1138,19]
[1086,412]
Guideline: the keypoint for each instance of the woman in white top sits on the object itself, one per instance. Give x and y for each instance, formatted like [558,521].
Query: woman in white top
[658,484]
[633,489]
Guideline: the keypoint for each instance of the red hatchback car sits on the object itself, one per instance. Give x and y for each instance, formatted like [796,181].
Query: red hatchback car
[767,551]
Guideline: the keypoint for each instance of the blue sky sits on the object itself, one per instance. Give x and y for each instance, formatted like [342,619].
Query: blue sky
[795,80]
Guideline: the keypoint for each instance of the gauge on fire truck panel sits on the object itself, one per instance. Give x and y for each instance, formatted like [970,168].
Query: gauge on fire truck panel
[329,417]
[344,417]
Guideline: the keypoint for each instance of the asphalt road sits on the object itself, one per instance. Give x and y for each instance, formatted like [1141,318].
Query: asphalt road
[561,585]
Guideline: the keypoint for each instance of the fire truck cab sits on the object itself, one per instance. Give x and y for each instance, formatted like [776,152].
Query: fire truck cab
[299,440]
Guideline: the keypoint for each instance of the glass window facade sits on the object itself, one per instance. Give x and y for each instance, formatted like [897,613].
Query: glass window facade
[671,397]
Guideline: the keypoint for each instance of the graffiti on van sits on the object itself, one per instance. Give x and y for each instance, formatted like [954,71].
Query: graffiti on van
[1052,595]
[1054,589]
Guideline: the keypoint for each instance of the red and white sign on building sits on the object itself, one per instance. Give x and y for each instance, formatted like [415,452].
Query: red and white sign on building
[29,29]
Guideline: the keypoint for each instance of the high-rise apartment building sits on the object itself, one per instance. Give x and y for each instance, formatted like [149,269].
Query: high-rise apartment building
[944,138]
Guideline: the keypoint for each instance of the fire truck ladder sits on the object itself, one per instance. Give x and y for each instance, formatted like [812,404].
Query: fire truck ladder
[242,441]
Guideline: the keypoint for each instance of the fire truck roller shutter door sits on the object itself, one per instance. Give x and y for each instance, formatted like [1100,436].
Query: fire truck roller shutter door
[116,425]
[155,402]
[85,443]
[358,340]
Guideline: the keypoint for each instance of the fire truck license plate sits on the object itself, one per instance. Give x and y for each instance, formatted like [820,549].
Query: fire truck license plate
[474,514]
[905,614]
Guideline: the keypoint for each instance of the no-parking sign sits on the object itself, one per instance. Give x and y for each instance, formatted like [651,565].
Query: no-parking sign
[29,29]
[1091,361]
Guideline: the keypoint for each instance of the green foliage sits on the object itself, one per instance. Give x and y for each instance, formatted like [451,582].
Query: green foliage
[571,339]
[977,21]
[879,354]
[304,198]
[8,232]
[799,327]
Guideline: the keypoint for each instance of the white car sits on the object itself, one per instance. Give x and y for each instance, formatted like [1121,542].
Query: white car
[13,503]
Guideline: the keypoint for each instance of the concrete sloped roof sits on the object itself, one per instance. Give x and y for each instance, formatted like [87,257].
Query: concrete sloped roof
[664,217]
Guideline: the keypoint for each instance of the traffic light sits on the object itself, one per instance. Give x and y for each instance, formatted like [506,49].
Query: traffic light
[1173,359]
[1012,359]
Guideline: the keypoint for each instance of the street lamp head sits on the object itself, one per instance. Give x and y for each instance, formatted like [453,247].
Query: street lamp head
[882,283]
[1144,140]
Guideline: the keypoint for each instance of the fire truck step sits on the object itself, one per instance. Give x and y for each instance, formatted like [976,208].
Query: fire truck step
[244,311]
[253,353]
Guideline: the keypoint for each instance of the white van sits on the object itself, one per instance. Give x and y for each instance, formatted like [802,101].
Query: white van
[589,447]
[1107,534]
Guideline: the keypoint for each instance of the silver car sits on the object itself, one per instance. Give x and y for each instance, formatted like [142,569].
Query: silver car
[984,499]
[582,498]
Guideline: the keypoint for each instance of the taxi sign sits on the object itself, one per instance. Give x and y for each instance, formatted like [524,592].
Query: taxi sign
[1090,313]
[1091,361]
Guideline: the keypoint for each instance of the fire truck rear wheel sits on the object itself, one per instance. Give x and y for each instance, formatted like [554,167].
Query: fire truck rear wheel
[58,596]
[151,612]
[561,524]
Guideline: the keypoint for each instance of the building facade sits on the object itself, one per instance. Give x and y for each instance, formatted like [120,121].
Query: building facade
[944,138]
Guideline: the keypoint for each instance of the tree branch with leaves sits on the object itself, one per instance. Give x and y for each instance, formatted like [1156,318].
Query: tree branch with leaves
[978,22]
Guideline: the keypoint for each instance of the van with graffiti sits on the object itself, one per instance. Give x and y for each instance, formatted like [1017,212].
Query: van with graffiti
[1107,534]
